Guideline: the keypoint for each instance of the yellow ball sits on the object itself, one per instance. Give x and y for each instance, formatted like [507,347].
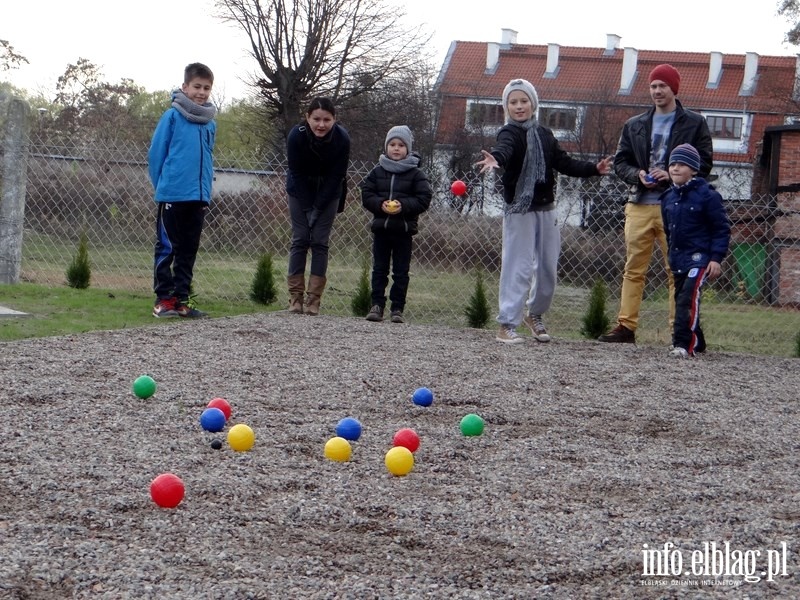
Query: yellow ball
[338,449]
[399,460]
[241,438]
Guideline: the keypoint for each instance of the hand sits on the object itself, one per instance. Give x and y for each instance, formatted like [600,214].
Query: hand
[488,162]
[604,166]
[713,270]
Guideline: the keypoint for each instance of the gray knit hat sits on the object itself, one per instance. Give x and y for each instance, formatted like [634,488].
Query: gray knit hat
[522,85]
[402,133]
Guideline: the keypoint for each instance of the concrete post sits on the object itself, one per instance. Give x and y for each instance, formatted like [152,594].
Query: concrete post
[14,125]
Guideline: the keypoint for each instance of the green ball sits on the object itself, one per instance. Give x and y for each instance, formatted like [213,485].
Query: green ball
[144,386]
[472,425]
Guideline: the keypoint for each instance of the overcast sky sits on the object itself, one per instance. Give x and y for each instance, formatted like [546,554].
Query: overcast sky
[150,41]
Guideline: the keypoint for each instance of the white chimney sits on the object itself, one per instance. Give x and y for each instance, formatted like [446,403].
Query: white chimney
[552,61]
[492,56]
[750,74]
[612,43]
[714,70]
[630,60]
[508,37]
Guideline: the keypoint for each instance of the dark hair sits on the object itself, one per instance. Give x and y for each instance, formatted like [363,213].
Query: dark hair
[323,103]
[197,70]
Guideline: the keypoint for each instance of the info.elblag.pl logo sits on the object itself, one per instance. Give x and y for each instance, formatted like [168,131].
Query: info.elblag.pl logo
[713,564]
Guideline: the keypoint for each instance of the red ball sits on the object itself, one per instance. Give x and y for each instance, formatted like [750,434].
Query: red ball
[407,438]
[167,490]
[459,188]
[223,405]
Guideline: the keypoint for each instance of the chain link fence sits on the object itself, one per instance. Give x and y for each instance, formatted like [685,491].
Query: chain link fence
[105,193]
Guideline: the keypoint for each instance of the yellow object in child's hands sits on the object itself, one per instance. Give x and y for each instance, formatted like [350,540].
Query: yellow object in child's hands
[392,207]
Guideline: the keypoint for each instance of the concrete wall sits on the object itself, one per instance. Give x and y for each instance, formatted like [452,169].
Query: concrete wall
[13,175]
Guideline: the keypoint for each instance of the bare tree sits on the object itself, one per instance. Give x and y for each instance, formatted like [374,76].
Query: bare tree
[338,48]
[791,10]
[9,59]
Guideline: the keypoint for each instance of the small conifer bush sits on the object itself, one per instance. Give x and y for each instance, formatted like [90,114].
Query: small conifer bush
[477,310]
[362,299]
[79,272]
[596,321]
[263,290]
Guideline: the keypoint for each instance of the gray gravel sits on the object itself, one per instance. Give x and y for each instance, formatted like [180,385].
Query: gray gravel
[590,452]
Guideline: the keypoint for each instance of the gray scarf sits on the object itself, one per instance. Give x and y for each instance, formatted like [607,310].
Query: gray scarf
[194,113]
[398,166]
[534,169]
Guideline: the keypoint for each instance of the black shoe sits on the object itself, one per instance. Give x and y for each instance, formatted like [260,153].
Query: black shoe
[620,334]
[185,309]
[375,314]
[397,316]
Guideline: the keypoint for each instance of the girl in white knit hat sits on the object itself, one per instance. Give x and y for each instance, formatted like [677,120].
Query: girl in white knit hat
[529,153]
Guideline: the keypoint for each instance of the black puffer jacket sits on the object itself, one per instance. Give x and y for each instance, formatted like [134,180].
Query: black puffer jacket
[509,151]
[411,188]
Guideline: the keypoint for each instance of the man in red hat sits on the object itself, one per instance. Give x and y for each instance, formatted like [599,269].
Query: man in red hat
[641,161]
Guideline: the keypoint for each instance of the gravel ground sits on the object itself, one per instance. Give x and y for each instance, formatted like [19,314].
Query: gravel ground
[591,451]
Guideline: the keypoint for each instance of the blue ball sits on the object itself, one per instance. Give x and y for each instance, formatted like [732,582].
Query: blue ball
[212,419]
[349,429]
[422,396]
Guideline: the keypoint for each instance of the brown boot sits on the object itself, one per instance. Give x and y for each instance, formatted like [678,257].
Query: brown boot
[316,285]
[297,287]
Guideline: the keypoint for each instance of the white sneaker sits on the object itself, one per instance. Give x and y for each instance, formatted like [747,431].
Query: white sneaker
[678,353]
[536,325]
[507,335]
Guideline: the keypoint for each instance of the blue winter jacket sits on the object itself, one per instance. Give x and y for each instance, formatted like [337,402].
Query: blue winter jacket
[697,226]
[180,159]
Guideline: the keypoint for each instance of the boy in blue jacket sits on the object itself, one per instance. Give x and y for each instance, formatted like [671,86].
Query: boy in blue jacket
[698,233]
[396,192]
[181,168]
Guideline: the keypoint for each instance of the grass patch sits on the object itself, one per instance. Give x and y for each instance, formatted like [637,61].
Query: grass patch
[64,311]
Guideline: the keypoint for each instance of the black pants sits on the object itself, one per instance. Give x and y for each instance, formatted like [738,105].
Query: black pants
[687,333]
[394,248]
[178,229]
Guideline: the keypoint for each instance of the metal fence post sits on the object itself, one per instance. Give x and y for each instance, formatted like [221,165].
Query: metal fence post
[13,175]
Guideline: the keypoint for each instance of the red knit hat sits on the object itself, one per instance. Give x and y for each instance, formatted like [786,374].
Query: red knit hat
[668,74]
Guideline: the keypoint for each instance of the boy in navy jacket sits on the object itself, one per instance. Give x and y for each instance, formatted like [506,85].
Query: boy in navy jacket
[181,169]
[698,233]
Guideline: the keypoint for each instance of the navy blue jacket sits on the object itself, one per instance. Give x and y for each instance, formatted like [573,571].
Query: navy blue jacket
[316,166]
[411,188]
[509,152]
[697,226]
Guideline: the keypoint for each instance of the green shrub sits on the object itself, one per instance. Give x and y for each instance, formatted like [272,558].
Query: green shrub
[362,300]
[596,321]
[797,345]
[79,272]
[477,311]
[263,289]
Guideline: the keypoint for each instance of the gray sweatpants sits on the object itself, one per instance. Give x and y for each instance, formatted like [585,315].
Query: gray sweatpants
[531,245]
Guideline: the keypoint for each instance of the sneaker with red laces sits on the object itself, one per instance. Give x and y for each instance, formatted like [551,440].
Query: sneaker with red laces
[620,335]
[187,310]
[165,308]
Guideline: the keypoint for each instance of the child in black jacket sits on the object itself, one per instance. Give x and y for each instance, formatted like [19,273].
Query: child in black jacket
[396,191]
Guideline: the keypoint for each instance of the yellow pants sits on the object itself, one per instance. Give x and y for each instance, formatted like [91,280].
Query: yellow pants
[643,227]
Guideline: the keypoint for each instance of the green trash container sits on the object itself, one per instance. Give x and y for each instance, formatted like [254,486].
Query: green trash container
[751,260]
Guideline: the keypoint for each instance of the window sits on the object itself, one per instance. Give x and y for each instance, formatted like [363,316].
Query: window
[485,114]
[558,117]
[726,128]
